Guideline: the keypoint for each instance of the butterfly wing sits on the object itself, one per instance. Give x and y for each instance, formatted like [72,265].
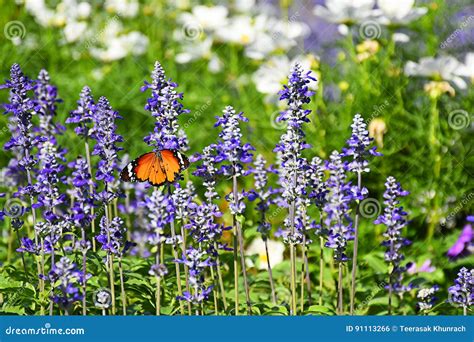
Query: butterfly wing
[174,162]
[157,168]
[144,168]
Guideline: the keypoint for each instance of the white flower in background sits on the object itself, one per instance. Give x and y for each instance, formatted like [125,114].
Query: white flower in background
[38,9]
[110,43]
[399,37]
[118,47]
[195,49]
[135,42]
[467,69]
[445,68]
[73,31]
[244,6]
[124,8]
[271,75]
[397,12]
[83,10]
[345,11]
[239,30]
[263,34]
[271,34]
[206,18]
[275,252]
[65,11]
[215,64]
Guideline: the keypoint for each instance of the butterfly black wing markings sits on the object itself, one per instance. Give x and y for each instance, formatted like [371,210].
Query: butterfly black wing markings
[128,173]
[182,160]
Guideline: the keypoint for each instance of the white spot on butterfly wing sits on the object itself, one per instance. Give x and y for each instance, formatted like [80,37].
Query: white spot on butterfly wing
[131,172]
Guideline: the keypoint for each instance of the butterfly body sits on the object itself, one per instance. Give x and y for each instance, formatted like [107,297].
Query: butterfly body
[156,168]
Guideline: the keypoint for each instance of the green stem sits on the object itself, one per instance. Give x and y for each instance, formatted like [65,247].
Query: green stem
[340,303]
[110,260]
[356,244]
[270,274]
[186,271]
[158,285]
[214,291]
[321,269]
[178,272]
[293,252]
[236,271]
[436,158]
[219,275]
[122,288]
[241,247]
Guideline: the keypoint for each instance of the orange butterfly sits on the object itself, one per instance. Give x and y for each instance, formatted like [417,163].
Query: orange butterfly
[156,168]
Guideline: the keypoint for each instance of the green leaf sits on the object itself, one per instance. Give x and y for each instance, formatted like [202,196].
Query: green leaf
[376,263]
[18,310]
[319,309]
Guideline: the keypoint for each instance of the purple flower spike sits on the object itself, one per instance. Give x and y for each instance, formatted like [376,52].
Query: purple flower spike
[21,107]
[112,236]
[337,208]
[292,167]
[394,218]
[83,203]
[49,160]
[104,132]
[197,261]
[84,114]
[70,280]
[462,292]
[359,146]
[202,222]
[46,104]
[164,104]
[262,193]
[160,212]
[426,298]
[231,153]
